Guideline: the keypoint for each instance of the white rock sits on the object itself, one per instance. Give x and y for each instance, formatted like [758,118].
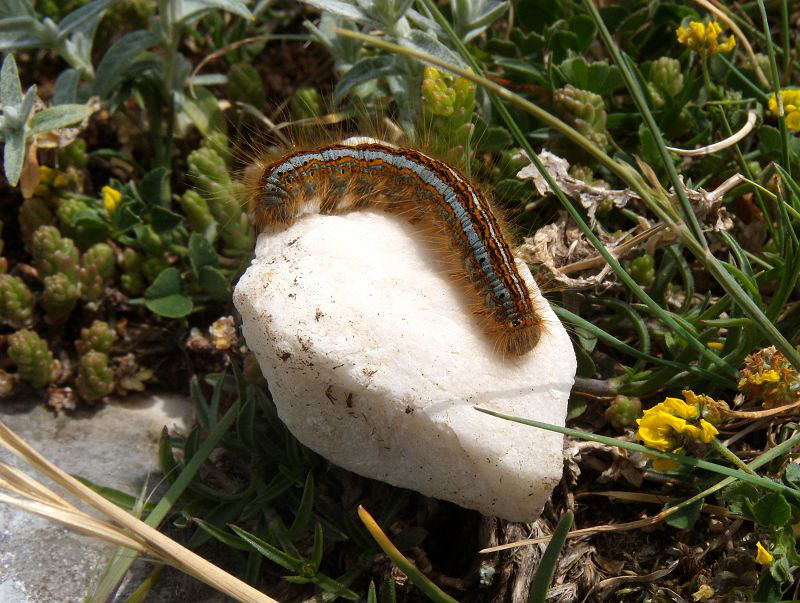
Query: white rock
[375,362]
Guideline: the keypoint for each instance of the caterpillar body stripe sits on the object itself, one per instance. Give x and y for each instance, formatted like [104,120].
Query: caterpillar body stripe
[338,178]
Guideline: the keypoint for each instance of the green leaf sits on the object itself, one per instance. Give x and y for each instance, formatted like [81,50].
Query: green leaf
[10,86]
[170,306]
[153,188]
[59,116]
[772,510]
[124,218]
[316,551]
[116,62]
[576,406]
[685,518]
[66,89]
[598,77]
[14,154]
[388,591]
[168,282]
[547,566]
[738,497]
[365,70]
[213,282]
[224,537]
[164,220]
[495,139]
[164,296]
[201,253]
[194,8]
[792,475]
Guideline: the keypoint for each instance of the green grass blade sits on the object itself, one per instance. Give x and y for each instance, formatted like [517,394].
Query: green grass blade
[758,481]
[303,515]
[547,566]
[612,341]
[269,551]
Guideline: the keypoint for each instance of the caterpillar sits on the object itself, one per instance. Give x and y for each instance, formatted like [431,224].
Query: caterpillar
[338,178]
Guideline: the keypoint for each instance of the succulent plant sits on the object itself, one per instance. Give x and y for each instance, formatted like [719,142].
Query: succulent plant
[131,280]
[54,254]
[448,96]
[99,337]
[623,412]
[306,103]
[59,297]
[34,361]
[666,79]
[68,212]
[16,302]
[74,154]
[198,214]
[643,270]
[95,378]
[153,266]
[586,112]
[224,197]
[33,213]
[97,271]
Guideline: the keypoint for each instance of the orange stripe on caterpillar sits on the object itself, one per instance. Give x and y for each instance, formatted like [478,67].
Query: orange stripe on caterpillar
[339,178]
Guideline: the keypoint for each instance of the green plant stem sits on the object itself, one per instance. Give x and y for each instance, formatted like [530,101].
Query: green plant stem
[712,90]
[725,452]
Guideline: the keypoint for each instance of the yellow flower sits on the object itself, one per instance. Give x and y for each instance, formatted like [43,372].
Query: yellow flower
[768,376]
[672,423]
[791,108]
[659,430]
[50,181]
[111,197]
[763,556]
[702,38]
[663,465]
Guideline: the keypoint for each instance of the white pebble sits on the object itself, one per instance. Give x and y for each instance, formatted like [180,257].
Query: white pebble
[375,361]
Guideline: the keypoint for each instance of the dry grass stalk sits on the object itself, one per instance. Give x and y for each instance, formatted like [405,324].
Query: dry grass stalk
[34,497]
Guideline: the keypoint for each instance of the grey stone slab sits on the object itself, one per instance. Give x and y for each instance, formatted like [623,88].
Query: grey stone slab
[113,445]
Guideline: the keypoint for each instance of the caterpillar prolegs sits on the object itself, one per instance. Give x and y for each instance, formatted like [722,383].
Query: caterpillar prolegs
[339,178]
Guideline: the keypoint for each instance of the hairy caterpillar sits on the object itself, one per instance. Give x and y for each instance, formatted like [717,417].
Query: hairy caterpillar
[339,178]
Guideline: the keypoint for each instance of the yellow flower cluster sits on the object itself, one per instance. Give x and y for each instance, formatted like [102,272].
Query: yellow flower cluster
[51,182]
[791,108]
[111,197]
[767,376]
[672,423]
[763,556]
[703,38]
